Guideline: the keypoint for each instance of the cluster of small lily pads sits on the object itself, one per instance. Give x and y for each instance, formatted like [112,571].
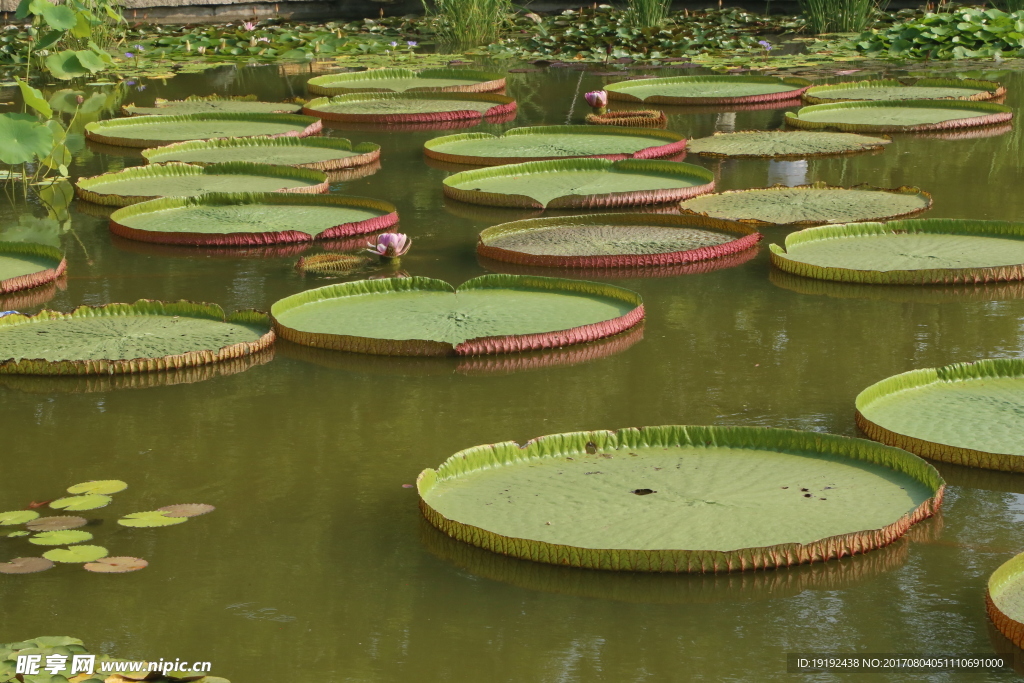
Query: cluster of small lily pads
[65,530]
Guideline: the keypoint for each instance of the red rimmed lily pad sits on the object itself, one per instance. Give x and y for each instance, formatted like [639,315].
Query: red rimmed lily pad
[411,107]
[153,131]
[406,80]
[688,90]
[24,265]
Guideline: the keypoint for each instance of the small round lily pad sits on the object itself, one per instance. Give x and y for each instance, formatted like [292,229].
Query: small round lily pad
[153,131]
[898,117]
[889,89]
[76,554]
[411,107]
[79,503]
[116,565]
[320,153]
[151,518]
[781,144]
[406,80]
[203,105]
[24,265]
[104,486]
[56,523]
[17,517]
[690,90]
[62,537]
[25,565]
[187,509]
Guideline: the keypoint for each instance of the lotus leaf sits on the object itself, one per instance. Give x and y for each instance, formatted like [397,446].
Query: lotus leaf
[781,143]
[707,89]
[809,204]
[246,219]
[406,80]
[1004,599]
[580,183]
[63,537]
[419,316]
[201,105]
[411,107]
[18,534]
[116,565]
[152,131]
[324,154]
[965,413]
[15,517]
[187,509]
[23,138]
[892,89]
[142,183]
[76,554]
[79,503]
[104,486]
[554,142]
[897,117]
[907,252]
[56,523]
[25,565]
[126,338]
[151,518]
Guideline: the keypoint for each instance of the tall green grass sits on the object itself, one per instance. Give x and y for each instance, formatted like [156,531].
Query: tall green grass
[464,24]
[648,13]
[837,16]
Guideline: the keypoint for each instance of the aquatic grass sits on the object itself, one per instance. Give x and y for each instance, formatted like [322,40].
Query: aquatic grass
[465,24]
[837,16]
[648,13]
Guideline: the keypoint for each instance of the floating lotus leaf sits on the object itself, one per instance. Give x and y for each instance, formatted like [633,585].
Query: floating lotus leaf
[911,252]
[782,144]
[203,105]
[151,518]
[18,534]
[61,537]
[419,316]
[25,565]
[186,509]
[539,143]
[890,89]
[965,413]
[410,107]
[809,204]
[15,517]
[116,565]
[614,240]
[153,131]
[56,523]
[898,117]
[142,183]
[92,501]
[406,80]
[76,554]
[104,486]
[681,499]
[127,338]
[580,183]
[24,265]
[650,118]
[707,89]
[1004,599]
[323,154]
[251,218]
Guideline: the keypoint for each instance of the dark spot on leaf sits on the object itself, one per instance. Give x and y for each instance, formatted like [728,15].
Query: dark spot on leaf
[807,495]
[593,473]
[805,490]
[643,492]
[591,447]
[785,487]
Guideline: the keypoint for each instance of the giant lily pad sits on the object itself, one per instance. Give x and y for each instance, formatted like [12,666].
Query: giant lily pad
[782,144]
[680,499]
[153,131]
[898,117]
[614,240]
[60,537]
[580,183]
[1004,599]
[25,565]
[127,338]
[419,316]
[890,89]
[76,554]
[203,105]
[708,89]
[406,80]
[965,413]
[251,218]
[539,143]
[142,183]
[24,265]
[323,154]
[809,204]
[911,252]
[411,107]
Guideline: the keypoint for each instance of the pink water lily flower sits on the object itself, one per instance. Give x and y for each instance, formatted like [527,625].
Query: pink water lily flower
[597,98]
[249,25]
[390,245]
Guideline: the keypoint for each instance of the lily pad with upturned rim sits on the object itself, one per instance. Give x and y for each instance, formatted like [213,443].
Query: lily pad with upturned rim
[116,565]
[202,105]
[614,240]
[251,219]
[1004,599]
[153,131]
[898,117]
[728,498]
[24,265]
[540,143]
[143,183]
[128,338]
[151,518]
[580,184]
[25,565]
[907,252]
[815,204]
[419,316]
[103,486]
[890,89]
[92,501]
[76,554]
[796,144]
[406,80]
[320,153]
[966,413]
[708,89]
[410,108]
[60,537]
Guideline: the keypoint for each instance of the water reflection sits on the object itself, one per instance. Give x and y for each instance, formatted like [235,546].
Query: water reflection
[927,294]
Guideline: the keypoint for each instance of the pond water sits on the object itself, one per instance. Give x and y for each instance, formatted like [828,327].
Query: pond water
[317,565]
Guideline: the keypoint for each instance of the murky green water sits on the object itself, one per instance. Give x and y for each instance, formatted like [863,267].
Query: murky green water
[316,565]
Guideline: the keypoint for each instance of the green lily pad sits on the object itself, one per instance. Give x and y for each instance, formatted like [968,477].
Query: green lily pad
[965,413]
[898,117]
[151,518]
[76,554]
[680,499]
[410,107]
[63,537]
[25,565]
[580,183]
[809,204]
[782,144]
[56,523]
[324,154]
[18,534]
[1004,599]
[420,316]
[116,565]
[707,89]
[24,138]
[153,131]
[202,105]
[187,509]
[79,503]
[406,80]
[17,517]
[104,486]
[251,219]
[126,338]
[892,89]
